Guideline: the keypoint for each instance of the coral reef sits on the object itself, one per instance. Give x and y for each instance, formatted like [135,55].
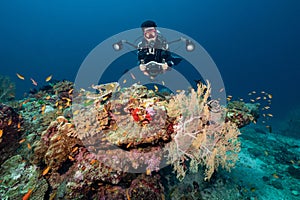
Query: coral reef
[18,177]
[11,130]
[242,113]
[90,149]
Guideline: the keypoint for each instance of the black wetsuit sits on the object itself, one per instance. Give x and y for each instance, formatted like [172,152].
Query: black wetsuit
[156,51]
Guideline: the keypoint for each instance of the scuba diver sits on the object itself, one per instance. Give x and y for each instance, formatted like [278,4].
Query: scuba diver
[153,54]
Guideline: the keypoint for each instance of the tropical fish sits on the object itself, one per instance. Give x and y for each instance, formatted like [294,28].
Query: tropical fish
[1,132]
[20,76]
[33,82]
[163,82]
[148,172]
[27,195]
[156,88]
[221,90]
[270,96]
[48,78]
[46,171]
[75,149]
[127,194]
[28,146]
[128,145]
[258,98]
[275,175]
[93,161]
[124,81]
[71,158]
[9,122]
[270,115]
[21,141]
[43,108]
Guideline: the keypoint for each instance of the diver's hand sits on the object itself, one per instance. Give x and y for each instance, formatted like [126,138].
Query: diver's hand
[142,67]
[165,66]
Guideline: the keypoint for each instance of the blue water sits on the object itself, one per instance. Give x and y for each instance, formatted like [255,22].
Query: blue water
[255,44]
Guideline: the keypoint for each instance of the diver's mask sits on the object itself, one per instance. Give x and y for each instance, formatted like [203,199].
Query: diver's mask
[150,33]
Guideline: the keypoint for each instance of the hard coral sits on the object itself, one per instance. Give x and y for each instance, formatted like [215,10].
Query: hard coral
[56,144]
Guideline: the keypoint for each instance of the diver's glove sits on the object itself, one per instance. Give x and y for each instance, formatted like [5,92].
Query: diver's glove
[165,66]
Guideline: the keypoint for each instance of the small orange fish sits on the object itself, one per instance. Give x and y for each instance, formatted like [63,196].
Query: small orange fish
[1,132]
[9,122]
[270,96]
[275,175]
[70,91]
[19,125]
[20,76]
[21,141]
[47,97]
[148,172]
[48,78]
[71,158]
[46,170]
[28,146]
[27,195]
[33,82]
[124,81]
[128,145]
[75,149]
[93,161]
[43,108]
